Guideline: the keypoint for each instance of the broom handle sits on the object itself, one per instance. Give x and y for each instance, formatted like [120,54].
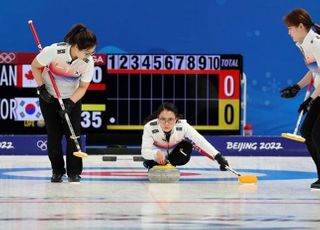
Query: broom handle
[301,113]
[73,136]
[298,123]
[232,170]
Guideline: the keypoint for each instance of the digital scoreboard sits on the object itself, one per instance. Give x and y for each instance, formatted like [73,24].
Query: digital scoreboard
[127,88]
[205,88]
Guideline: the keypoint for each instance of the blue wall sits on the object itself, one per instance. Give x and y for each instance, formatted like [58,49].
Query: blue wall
[252,28]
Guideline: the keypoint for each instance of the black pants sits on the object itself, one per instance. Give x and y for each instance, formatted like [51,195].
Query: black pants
[180,155]
[57,127]
[310,130]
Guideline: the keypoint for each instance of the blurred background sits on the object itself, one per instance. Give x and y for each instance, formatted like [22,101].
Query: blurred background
[252,28]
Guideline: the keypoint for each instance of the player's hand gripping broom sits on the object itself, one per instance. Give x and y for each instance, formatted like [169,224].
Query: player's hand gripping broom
[243,179]
[294,136]
[73,136]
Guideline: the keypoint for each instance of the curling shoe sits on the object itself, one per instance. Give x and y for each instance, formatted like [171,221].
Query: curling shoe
[74,178]
[57,178]
[316,185]
[148,164]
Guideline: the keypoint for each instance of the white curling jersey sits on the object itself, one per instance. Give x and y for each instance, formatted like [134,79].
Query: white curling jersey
[154,139]
[310,48]
[67,73]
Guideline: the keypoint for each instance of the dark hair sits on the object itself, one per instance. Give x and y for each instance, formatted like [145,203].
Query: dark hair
[164,106]
[297,16]
[81,36]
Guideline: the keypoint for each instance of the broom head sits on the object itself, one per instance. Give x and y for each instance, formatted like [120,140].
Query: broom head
[293,137]
[247,179]
[80,154]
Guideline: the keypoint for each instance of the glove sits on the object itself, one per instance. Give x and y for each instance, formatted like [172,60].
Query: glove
[290,91]
[44,94]
[305,106]
[221,161]
[68,105]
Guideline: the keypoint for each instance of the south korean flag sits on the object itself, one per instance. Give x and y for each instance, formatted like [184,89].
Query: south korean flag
[28,109]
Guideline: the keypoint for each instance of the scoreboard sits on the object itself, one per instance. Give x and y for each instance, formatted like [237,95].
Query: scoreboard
[19,103]
[126,88]
[205,88]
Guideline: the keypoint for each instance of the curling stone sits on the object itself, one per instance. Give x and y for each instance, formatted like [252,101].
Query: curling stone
[164,174]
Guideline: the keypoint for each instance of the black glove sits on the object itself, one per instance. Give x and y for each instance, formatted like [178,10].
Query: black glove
[221,161]
[305,106]
[290,91]
[68,105]
[44,94]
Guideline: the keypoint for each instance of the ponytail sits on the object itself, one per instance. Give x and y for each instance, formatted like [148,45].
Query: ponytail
[81,36]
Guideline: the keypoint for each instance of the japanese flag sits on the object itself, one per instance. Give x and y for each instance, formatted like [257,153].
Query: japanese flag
[28,109]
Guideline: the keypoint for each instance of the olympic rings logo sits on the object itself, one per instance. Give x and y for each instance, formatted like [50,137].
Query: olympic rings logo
[42,145]
[7,57]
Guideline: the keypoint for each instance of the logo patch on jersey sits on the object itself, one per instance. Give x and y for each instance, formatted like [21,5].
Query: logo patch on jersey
[61,44]
[155,131]
[77,73]
[62,51]
[179,128]
[153,123]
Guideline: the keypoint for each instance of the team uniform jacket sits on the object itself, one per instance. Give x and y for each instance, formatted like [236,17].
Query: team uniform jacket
[67,73]
[154,139]
[310,48]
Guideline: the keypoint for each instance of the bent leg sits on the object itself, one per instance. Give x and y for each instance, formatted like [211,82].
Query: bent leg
[181,154]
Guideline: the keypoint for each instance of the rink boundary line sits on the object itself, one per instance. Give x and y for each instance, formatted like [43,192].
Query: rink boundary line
[160,202]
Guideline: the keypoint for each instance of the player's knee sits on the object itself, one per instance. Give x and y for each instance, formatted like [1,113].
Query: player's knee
[181,154]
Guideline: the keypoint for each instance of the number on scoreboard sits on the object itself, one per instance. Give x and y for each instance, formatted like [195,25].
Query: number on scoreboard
[205,88]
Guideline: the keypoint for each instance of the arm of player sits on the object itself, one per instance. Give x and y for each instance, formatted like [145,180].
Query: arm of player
[36,69]
[80,91]
[148,151]
[201,144]
[84,83]
[43,59]
[316,92]
[305,80]
[205,148]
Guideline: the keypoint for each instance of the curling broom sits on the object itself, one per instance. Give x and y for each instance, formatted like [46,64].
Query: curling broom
[243,179]
[294,136]
[73,136]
